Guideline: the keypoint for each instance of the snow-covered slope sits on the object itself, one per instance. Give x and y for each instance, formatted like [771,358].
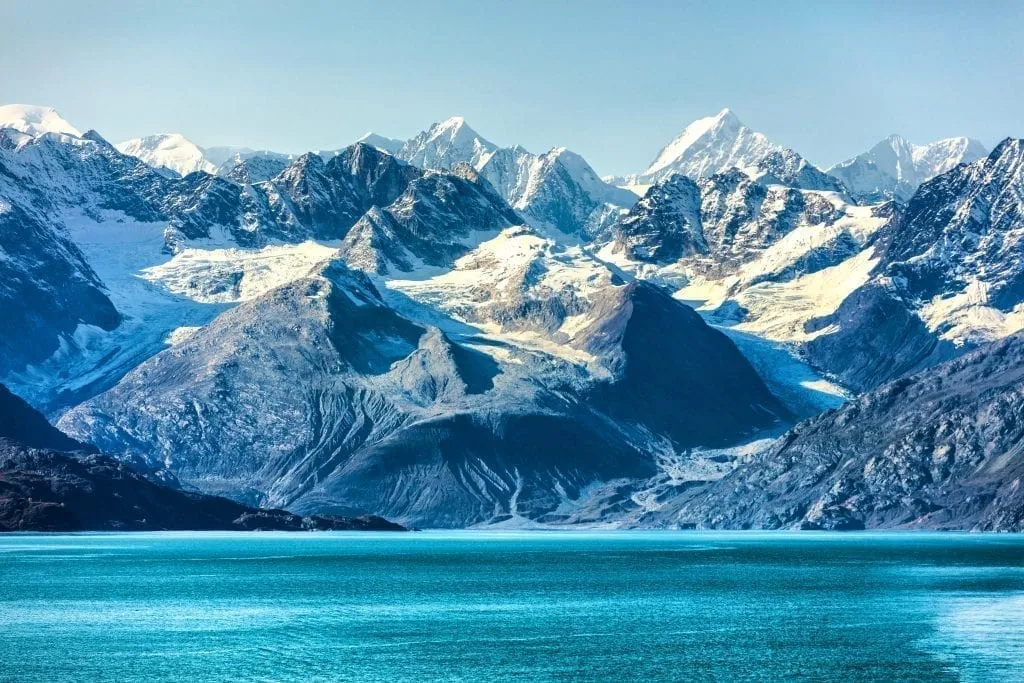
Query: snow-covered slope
[895,168]
[34,120]
[715,144]
[389,145]
[447,144]
[557,190]
[172,151]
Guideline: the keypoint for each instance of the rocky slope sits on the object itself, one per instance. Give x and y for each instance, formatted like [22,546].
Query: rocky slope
[719,236]
[938,450]
[727,216]
[50,482]
[21,423]
[324,398]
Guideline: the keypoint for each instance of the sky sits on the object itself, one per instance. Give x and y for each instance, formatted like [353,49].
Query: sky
[613,81]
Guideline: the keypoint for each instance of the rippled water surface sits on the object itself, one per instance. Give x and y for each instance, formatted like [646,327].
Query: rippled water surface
[494,606]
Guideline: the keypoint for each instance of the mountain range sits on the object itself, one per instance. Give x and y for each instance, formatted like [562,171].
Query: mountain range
[446,332]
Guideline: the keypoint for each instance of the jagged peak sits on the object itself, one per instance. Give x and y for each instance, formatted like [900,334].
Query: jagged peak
[1009,147]
[361,154]
[310,162]
[454,129]
[96,137]
[310,158]
[725,115]
[451,123]
[707,123]
[375,214]
[723,124]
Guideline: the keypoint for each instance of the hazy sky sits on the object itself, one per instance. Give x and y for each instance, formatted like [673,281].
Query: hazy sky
[613,81]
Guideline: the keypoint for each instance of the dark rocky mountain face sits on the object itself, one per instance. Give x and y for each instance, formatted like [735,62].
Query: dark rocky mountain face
[45,490]
[679,377]
[21,423]
[786,167]
[964,226]
[46,289]
[665,224]
[312,198]
[50,482]
[877,337]
[726,217]
[941,449]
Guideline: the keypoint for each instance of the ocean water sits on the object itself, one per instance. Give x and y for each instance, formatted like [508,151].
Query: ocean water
[497,606]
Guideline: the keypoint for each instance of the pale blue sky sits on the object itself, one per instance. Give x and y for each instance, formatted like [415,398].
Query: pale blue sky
[613,81]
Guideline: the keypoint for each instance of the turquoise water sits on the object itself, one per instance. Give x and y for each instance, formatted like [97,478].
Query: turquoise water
[496,606]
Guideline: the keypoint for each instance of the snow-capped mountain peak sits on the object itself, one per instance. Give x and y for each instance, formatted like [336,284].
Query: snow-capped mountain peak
[455,123]
[894,168]
[940,156]
[445,144]
[168,150]
[724,123]
[715,144]
[35,120]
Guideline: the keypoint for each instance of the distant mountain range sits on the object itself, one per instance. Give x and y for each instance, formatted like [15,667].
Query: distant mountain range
[446,332]
[895,168]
